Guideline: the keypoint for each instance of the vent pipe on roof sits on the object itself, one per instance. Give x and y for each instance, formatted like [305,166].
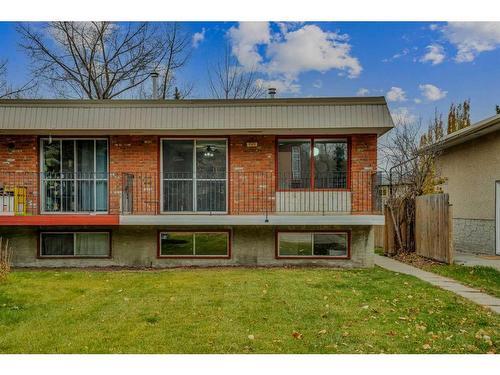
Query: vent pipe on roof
[154,76]
[272,92]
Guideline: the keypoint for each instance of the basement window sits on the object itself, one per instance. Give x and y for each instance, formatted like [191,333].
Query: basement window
[180,244]
[75,244]
[313,244]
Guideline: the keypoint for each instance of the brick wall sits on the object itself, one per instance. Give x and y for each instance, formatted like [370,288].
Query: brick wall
[252,178]
[363,164]
[137,155]
[19,153]
[252,184]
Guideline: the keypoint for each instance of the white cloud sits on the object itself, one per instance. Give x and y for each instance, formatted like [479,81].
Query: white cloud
[246,38]
[281,85]
[310,48]
[433,26]
[296,48]
[431,92]
[396,94]
[435,54]
[198,38]
[402,115]
[417,100]
[318,84]
[472,38]
[362,92]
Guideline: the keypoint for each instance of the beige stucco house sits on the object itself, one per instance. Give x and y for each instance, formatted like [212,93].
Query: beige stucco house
[470,162]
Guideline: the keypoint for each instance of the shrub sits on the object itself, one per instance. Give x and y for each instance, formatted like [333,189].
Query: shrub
[5,258]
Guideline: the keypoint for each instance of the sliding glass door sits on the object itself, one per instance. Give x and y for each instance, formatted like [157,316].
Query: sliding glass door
[194,175]
[74,175]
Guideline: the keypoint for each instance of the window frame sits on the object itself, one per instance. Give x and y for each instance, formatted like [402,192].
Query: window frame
[312,231]
[160,173]
[41,205]
[227,232]
[312,139]
[74,232]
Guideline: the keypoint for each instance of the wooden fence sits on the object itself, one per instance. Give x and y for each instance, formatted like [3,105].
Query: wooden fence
[379,236]
[433,227]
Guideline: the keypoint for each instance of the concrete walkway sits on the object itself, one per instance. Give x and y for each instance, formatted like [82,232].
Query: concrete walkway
[471,294]
[477,260]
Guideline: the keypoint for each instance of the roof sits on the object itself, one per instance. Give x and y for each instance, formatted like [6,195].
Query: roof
[351,114]
[483,127]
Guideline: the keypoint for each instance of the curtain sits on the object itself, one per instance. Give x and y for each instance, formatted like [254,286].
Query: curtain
[92,244]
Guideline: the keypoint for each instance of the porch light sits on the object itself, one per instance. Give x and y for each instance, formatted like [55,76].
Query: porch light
[209,152]
[316,151]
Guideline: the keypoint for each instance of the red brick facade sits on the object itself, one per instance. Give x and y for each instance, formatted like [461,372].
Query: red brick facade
[251,167]
[363,161]
[137,155]
[19,167]
[252,163]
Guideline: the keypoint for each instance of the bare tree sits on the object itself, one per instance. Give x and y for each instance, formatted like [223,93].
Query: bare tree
[177,53]
[410,166]
[98,60]
[229,80]
[8,91]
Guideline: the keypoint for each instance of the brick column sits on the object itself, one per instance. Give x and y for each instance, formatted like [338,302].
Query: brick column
[363,165]
[251,173]
[137,155]
[19,167]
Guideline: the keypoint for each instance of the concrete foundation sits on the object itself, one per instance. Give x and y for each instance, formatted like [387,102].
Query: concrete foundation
[476,236]
[136,246]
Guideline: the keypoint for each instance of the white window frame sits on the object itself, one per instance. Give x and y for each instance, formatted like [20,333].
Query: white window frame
[194,179]
[193,234]
[74,233]
[95,179]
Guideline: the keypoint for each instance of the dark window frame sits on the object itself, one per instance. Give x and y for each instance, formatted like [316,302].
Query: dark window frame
[228,232]
[39,244]
[195,139]
[318,231]
[311,139]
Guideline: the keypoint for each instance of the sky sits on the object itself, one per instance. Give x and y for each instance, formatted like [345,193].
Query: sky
[418,66]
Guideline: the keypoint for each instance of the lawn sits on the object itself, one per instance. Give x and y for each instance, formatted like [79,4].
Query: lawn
[221,310]
[486,279]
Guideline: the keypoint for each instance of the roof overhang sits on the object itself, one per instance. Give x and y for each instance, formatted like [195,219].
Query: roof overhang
[200,116]
[479,129]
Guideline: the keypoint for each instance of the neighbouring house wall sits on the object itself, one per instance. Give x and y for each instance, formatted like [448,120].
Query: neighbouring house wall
[471,170]
[136,246]
[19,153]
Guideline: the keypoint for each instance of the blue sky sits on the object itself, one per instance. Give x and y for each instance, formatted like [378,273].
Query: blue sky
[417,66]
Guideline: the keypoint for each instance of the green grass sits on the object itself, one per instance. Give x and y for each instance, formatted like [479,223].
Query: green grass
[487,279]
[295,310]
[379,251]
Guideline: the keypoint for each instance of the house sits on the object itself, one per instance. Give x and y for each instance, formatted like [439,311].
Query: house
[469,160]
[190,182]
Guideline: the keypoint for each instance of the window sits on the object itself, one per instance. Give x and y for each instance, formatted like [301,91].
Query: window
[74,175]
[194,244]
[194,175]
[75,244]
[312,163]
[313,244]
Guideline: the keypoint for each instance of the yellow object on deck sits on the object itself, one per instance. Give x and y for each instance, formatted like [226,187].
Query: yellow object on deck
[20,194]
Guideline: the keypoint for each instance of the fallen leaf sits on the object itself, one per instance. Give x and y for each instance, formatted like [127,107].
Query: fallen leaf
[251,337]
[426,346]
[297,335]
[322,332]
